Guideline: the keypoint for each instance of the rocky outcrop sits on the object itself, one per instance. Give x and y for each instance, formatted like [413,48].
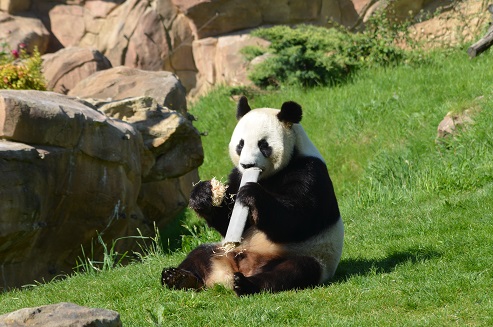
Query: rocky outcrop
[174,35]
[67,67]
[220,62]
[213,18]
[61,315]
[69,171]
[26,29]
[123,82]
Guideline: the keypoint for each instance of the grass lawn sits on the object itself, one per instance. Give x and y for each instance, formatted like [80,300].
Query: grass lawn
[418,215]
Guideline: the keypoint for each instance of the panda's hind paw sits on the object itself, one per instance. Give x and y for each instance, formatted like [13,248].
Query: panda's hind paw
[242,286]
[180,279]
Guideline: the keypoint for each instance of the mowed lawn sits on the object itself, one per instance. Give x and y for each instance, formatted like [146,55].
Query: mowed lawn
[418,213]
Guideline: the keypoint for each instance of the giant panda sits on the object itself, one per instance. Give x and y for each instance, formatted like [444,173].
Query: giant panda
[293,238]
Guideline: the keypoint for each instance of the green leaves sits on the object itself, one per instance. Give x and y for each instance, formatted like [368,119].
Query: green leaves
[309,56]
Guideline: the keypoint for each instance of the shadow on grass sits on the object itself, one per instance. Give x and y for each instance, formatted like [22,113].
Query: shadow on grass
[361,267]
[171,236]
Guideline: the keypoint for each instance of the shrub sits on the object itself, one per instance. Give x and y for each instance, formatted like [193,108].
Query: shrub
[310,56]
[21,71]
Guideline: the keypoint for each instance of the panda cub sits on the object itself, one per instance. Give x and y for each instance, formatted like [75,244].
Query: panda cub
[294,235]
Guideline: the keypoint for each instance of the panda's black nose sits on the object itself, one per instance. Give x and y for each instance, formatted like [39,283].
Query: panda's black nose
[246,166]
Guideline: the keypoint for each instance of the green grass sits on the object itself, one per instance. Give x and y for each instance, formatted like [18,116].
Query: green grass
[418,216]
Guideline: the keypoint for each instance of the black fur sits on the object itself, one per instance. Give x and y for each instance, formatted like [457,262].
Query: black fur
[242,108]
[301,199]
[265,148]
[290,112]
[280,274]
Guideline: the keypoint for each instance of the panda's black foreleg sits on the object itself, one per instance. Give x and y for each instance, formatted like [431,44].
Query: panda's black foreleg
[280,274]
[191,273]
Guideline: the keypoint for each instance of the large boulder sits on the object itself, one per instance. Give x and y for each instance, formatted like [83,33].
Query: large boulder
[25,29]
[133,35]
[168,135]
[15,6]
[66,68]
[70,172]
[61,315]
[220,61]
[123,82]
[214,18]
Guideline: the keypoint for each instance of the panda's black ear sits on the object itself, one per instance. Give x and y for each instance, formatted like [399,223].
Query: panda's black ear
[290,112]
[242,108]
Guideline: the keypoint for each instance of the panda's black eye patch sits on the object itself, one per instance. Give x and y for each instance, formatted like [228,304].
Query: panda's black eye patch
[265,148]
[239,147]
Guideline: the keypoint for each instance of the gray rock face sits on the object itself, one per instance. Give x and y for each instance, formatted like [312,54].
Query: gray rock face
[68,172]
[61,315]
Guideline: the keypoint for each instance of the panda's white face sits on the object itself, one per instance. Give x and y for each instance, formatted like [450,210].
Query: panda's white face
[261,140]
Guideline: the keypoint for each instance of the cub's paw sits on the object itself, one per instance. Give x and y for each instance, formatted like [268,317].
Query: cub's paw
[242,286]
[201,197]
[180,279]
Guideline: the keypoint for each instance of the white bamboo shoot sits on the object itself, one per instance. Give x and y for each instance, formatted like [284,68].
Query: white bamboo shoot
[240,212]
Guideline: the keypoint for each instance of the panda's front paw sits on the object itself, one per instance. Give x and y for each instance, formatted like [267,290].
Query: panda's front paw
[249,193]
[201,197]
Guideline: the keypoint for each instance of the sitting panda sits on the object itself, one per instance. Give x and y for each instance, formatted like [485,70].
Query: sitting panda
[294,235]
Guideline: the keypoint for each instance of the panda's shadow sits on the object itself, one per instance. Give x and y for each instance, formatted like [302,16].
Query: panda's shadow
[362,267]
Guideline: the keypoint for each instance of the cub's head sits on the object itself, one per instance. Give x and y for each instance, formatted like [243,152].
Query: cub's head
[264,138]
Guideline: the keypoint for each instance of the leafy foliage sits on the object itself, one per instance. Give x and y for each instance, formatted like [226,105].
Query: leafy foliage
[21,71]
[310,56]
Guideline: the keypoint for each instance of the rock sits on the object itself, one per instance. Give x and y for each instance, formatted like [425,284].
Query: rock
[458,23]
[214,18]
[219,60]
[123,82]
[453,122]
[147,45]
[170,137]
[180,59]
[26,29]
[61,315]
[67,67]
[14,6]
[161,201]
[70,172]
[400,10]
[133,35]
[67,24]
[66,169]
[101,8]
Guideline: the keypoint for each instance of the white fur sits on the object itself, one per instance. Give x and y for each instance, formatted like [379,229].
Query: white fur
[325,247]
[283,138]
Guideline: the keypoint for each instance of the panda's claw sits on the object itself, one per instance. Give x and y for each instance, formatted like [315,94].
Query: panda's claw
[242,286]
[180,279]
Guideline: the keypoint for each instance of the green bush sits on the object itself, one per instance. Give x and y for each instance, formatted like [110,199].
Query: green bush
[312,56]
[21,71]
